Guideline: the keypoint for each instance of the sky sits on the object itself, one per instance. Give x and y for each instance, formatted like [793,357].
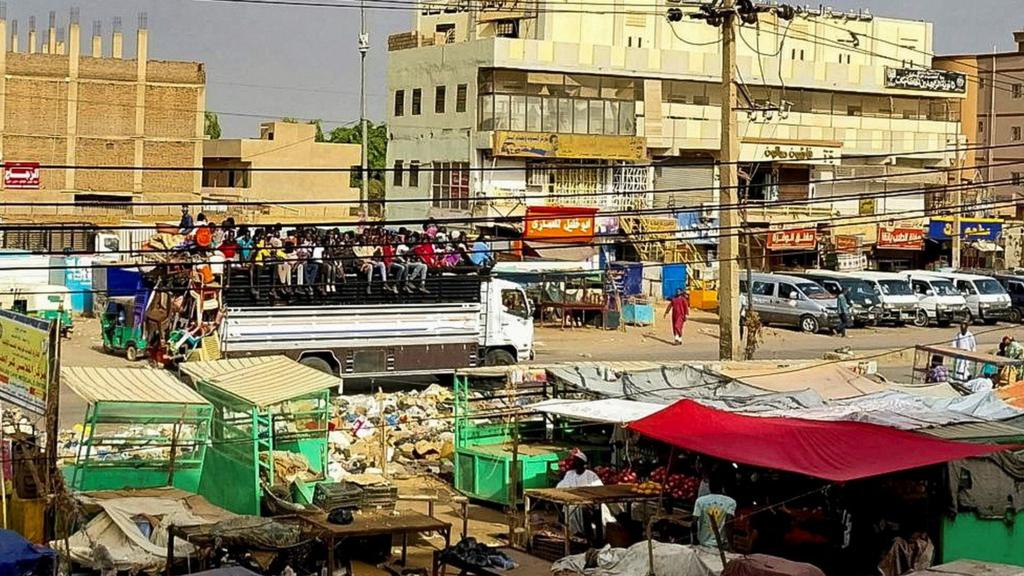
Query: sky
[275,61]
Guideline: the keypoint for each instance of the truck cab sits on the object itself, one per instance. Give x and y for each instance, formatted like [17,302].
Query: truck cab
[506,335]
[986,297]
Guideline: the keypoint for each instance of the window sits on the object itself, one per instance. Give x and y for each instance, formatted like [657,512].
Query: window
[853,110]
[1017,91]
[226,178]
[1017,178]
[965,287]
[398,173]
[399,102]
[1015,288]
[460,98]
[920,287]
[981,126]
[788,291]
[1015,133]
[439,98]
[417,100]
[763,288]
[514,303]
[450,186]
[448,30]
[414,174]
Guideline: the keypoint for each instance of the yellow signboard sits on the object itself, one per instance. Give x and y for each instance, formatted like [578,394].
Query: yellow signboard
[569,146]
[24,360]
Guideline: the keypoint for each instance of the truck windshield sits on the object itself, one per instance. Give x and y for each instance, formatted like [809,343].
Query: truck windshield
[895,288]
[814,291]
[989,286]
[944,288]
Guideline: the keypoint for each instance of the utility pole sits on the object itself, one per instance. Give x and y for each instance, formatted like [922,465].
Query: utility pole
[958,197]
[364,47]
[728,243]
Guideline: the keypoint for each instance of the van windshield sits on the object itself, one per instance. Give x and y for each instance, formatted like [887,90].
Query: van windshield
[814,291]
[860,291]
[989,286]
[944,288]
[895,288]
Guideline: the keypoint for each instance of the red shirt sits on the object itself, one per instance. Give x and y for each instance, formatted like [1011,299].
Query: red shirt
[426,254]
[388,253]
[228,248]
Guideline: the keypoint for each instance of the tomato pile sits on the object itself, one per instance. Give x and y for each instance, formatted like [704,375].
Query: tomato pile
[679,486]
[610,475]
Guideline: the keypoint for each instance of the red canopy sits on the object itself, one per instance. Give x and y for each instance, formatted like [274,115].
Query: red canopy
[836,451]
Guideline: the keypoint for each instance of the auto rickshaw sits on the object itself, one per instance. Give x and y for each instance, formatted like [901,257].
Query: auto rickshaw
[120,331]
[43,301]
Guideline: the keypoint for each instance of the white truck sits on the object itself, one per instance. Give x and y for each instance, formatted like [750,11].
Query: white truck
[405,335]
[899,305]
[939,300]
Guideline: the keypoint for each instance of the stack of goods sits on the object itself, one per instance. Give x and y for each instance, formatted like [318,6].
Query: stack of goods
[331,496]
[678,486]
[610,475]
[375,491]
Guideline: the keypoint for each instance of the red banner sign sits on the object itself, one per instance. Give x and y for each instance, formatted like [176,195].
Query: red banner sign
[21,175]
[559,223]
[900,238]
[846,244]
[796,239]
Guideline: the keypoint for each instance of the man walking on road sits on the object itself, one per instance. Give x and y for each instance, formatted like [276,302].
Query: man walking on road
[843,304]
[679,306]
[964,340]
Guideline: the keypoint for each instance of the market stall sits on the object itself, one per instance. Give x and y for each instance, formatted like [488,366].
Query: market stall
[964,365]
[269,428]
[143,428]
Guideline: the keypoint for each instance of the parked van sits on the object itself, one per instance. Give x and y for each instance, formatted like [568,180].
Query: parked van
[899,305]
[939,300]
[865,305]
[986,297]
[1014,284]
[789,301]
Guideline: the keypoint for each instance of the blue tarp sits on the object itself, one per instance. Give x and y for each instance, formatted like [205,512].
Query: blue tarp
[19,557]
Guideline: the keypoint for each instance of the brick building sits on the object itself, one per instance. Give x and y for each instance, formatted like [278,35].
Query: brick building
[60,106]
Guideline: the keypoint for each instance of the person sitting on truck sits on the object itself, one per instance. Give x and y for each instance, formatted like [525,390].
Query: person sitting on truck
[480,254]
[423,248]
[366,263]
[244,240]
[285,264]
[396,269]
[414,268]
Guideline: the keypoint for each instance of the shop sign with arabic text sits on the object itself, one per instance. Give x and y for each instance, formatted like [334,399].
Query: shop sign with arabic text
[559,223]
[971,229]
[796,239]
[925,80]
[900,238]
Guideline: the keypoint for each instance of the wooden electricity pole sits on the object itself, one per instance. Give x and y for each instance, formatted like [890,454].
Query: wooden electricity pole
[728,241]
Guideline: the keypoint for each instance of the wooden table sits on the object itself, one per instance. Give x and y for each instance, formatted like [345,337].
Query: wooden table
[377,524]
[588,496]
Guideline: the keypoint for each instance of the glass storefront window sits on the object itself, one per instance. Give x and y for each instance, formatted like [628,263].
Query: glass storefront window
[487,112]
[518,113]
[549,115]
[596,117]
[565,116]
[611,117]
[501,112]
[579,120]
[533,114]
[627,118]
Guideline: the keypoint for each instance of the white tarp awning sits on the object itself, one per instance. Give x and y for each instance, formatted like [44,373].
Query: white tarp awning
[606,410]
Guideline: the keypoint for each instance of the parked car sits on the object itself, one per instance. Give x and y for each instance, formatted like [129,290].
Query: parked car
[1014,285]
[789,301]
[939,300]
[899,305]
[866,305]
[986,297]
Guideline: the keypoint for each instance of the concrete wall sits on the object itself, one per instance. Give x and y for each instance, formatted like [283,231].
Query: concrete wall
[293,145]
[66,108]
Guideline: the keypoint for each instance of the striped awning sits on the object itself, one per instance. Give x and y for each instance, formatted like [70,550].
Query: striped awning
[128,385]
[261,381]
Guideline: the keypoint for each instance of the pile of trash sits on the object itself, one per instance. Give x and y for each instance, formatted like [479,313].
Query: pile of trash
[417,427]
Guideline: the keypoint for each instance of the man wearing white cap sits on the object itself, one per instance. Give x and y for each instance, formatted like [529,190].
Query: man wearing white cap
[580,518]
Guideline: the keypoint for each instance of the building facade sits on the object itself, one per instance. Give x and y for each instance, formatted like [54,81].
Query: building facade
[231,173]
[993,122]
[71,110]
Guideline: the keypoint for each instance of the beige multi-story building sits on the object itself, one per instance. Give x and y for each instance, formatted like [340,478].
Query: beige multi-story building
[993,121]
[256,170]
[565,102]
[70,109]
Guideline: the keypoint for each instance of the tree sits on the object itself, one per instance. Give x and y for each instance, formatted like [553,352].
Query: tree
[377,145]
[212,125]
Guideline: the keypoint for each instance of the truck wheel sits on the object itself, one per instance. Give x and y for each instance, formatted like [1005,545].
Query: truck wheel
[809,324]
[317,363]
[499,358]
[1015,315]
[131,352]
[921,319]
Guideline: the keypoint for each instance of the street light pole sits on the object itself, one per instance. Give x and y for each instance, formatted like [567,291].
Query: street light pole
[364,47]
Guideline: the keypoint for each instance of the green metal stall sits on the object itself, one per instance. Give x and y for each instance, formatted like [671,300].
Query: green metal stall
[261,406]
[143,428]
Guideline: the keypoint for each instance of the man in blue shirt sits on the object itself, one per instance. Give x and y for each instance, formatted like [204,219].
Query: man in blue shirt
[714,505]
[480,254]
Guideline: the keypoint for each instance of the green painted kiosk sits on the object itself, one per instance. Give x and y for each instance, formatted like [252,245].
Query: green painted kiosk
[263,407]
[143,428]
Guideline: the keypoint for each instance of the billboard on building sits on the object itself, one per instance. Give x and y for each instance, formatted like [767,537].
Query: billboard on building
[559,223]
[25,360]
[569,146]
[21,175]
[795,239]
[925,80]
[970,228]
[900,238]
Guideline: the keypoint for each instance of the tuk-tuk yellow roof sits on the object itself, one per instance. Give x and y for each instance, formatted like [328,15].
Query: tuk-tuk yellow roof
[128,385]
[262,381]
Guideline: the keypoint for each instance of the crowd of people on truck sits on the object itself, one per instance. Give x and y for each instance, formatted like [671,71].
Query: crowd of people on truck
[315,261]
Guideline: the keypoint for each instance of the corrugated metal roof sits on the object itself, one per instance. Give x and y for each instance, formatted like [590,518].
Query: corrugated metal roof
[128,385]
[262,381]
